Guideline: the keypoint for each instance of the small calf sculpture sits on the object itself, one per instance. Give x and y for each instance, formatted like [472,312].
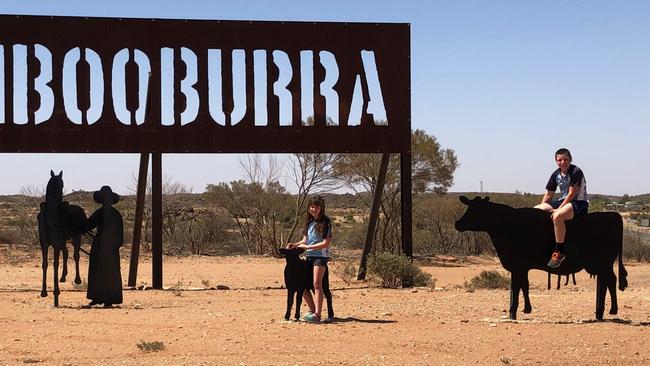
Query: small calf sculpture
[524,240]
[299,276]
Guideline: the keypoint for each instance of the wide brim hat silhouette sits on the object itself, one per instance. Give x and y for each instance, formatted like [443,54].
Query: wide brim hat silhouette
[104,193]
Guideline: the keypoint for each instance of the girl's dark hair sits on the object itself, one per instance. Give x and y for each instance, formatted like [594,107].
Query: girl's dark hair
[564,151]
[322,218]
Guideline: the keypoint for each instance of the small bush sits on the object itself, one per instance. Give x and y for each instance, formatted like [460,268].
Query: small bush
[488,280]
[347,271]
[635,246]
[177,288]
[83,286]
[394,270]
[153,346]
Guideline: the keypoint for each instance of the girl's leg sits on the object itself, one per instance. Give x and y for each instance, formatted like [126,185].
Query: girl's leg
[319,272]
[306,295]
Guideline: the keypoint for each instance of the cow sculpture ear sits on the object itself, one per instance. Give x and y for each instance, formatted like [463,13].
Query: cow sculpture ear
[464,200]
[51,173]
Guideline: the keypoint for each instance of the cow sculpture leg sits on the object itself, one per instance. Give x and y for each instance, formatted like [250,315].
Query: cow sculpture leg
[528,308]
[605,281]
[519,281]
[610,280]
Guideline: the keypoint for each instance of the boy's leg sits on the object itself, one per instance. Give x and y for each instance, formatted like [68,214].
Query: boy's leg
[544,206]
[559,217]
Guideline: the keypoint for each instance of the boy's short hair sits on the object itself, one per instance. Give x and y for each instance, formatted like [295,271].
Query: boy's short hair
[564,151]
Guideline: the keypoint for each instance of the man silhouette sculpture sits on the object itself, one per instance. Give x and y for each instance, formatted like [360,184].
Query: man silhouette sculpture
[104,277]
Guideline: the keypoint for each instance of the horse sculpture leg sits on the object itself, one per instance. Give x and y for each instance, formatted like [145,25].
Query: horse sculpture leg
[44,266]
[56,277]
[64,272]
[76,242]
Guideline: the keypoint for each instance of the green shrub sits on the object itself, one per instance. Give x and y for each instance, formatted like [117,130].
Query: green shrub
[346,270]
[489,280]
[394,270]
[153,346]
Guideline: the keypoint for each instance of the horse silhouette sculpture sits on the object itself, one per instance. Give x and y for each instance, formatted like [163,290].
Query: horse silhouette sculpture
[524,240]
[58,222]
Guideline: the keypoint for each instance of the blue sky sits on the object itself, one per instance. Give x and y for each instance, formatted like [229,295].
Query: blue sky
[503,83]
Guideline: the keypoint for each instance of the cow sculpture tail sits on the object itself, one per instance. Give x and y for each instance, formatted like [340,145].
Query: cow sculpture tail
[622,273]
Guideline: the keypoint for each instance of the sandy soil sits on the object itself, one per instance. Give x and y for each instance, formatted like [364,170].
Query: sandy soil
[243,325]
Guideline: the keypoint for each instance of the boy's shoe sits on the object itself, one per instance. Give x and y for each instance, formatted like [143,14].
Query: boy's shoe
[302,318]
[556,259]
[312,318]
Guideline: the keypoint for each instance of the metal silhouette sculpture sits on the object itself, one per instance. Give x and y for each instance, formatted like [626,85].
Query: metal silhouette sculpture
[523,239]
[58,222]
[104,275]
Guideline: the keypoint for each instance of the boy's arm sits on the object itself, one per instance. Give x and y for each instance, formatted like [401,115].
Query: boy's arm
[570,196]
[548,196]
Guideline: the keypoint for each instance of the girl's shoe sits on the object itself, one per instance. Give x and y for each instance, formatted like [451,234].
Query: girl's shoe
[312,318]
[302,318]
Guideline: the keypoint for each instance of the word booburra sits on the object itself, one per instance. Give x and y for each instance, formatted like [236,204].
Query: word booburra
[365,98]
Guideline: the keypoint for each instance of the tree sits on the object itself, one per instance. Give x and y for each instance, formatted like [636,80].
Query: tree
[259,205]
[311,173]
[432,170]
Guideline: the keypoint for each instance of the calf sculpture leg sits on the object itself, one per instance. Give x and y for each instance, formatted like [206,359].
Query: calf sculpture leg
[290,295]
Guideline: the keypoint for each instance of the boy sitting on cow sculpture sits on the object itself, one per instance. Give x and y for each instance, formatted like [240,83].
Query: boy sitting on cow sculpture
[572,202]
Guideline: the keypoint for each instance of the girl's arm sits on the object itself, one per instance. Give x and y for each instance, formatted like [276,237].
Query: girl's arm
[323,244]
[302,241]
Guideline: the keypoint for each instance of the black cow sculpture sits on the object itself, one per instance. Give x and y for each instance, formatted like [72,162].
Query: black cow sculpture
[299,276]
[524,240]
[559,277]
[58,222]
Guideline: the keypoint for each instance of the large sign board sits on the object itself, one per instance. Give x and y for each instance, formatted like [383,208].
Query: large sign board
[72,84]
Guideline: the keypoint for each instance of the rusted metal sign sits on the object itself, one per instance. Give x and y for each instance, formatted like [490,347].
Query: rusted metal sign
[71,84]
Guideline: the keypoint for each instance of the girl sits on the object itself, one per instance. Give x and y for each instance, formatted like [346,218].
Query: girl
[572,202]
[317,235]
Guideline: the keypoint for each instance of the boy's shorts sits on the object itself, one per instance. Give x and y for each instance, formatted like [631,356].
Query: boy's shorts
[318,261]
[580,208]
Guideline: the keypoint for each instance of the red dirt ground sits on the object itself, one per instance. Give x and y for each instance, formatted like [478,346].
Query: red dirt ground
[243,325]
